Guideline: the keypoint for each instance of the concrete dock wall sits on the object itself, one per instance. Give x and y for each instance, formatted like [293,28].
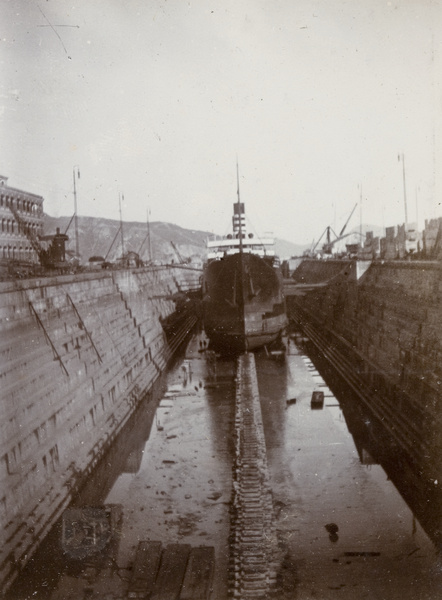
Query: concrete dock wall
[392,315]
[385,328]
[77,354]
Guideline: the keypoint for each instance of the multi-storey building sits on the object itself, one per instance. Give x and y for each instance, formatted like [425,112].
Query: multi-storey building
[15,241]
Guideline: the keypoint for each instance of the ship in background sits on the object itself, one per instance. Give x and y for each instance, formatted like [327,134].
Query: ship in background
[243,300]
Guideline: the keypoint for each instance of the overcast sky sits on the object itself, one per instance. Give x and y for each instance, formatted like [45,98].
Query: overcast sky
[156,99]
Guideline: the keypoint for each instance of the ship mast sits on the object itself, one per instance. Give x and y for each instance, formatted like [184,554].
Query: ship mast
[239,211]
[405,192]
[121,226]
[148,236]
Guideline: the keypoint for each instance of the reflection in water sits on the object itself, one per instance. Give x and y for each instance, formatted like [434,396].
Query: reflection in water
[126,453]
[272,379]
[335,509]
[220,393]
[375,446]
[341,525]
[379,442]
[44,570]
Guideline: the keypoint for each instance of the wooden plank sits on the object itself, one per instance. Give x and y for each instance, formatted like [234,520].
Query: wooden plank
[145,568]
[171,574]
[197,584]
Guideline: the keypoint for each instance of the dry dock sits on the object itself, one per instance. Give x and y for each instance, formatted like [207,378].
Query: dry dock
[325,516]
[78,353]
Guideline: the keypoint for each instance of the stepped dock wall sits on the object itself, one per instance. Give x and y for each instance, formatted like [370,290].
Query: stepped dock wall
[379,325]
[78,353]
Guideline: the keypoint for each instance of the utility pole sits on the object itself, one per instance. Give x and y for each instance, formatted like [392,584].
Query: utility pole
[149,245]
[121,226]
[405,190]
[417,208]
[76,171]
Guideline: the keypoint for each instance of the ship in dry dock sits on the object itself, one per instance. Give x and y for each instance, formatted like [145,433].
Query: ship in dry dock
[243,298]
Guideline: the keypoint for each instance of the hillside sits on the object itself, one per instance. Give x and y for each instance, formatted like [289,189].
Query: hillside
[101,237]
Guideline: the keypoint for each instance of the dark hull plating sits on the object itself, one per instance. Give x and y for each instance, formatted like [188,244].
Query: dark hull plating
[243,302]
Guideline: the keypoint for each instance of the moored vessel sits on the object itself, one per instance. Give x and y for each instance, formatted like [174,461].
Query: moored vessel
[243,300]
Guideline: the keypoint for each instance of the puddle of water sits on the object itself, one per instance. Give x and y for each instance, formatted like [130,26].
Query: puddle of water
[169,474]
[181,491]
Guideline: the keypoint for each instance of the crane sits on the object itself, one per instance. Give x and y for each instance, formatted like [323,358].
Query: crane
[327,247]
[182,261]
[33,239]
[54,256]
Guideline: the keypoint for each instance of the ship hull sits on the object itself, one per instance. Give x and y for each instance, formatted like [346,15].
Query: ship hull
[243,303]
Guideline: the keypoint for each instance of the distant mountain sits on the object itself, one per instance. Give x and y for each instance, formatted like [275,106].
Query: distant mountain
[286,249]
[101,237]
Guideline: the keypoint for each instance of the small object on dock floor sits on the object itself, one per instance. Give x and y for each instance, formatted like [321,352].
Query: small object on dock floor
[332,528]
[157,423]
[291,401]
[317,402]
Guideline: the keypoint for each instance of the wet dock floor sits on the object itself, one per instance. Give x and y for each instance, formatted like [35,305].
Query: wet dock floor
[342,528]
[181,492]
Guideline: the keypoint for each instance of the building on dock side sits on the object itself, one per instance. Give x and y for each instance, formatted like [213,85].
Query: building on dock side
[14,243]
